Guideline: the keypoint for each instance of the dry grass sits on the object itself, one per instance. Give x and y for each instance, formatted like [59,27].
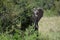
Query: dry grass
[50,26]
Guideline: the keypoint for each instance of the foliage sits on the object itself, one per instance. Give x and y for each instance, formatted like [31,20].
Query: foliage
[15,13]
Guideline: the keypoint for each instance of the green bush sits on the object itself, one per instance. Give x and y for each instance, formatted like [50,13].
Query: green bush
[13,13]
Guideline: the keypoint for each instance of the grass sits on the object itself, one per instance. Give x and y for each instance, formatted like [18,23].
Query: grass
[50,27]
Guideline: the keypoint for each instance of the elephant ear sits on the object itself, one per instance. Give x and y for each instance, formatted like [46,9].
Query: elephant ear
[40,10]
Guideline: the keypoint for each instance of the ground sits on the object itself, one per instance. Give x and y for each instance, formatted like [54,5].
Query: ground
[50,27]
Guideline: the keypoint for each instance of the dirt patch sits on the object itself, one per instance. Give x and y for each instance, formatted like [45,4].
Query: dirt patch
[49,24]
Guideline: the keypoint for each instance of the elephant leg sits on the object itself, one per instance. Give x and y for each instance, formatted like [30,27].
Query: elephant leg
[36,25]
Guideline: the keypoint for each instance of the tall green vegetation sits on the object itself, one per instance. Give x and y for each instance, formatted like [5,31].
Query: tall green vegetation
[15,12]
